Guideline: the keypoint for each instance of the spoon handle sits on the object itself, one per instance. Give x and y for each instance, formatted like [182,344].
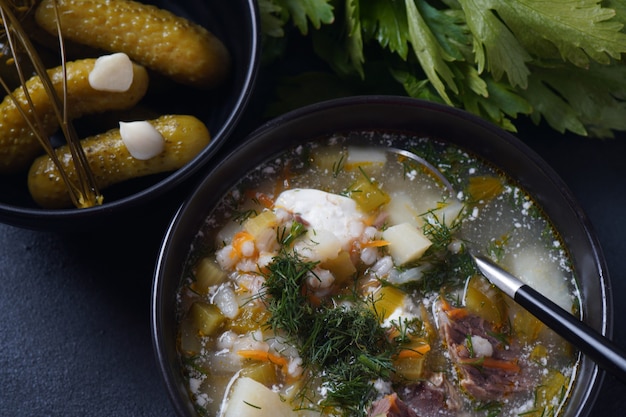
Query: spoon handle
[599,348]
[605,353]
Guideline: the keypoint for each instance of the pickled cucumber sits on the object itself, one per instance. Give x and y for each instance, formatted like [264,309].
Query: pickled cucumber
[154,37]
[185,136]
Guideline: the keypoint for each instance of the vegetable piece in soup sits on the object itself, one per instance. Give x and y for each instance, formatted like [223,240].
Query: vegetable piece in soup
[338,282]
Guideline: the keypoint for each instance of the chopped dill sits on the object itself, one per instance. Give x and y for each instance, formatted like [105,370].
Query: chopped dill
[242,216]
[357,186]
[351,347]
[347,341]
[252,405]
[351,191]
[338,166]
[367,177]
[283,292]
[191,362]
[445,268]
[497,247]
[407,328]
[199,409]
[437,231]
[296,230]
[450,271]
[493,408]
[502,337]
[450,161]
[408,165]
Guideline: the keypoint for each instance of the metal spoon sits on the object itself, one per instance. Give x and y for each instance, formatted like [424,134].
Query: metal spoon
[599,348]
[430,167]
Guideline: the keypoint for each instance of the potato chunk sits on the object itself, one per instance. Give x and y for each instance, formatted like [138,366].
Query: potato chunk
[252,399]
[406,243]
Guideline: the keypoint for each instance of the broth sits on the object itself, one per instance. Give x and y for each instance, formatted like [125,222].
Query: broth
[336,280]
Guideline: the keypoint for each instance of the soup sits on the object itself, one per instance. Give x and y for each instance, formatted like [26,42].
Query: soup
[336,280]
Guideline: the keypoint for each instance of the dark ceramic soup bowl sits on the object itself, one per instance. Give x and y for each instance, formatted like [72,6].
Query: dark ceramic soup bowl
[384,113]
[236,24]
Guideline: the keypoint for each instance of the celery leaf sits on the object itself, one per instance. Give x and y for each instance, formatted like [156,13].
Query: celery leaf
[386,22]
[495,46]
[354,40]
[580,100]
[579,29]
[300,12]
[272,23]
[430,53]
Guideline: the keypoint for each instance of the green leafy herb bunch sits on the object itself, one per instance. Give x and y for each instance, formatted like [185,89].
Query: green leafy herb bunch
[557,61]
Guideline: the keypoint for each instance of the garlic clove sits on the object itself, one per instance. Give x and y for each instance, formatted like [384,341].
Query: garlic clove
[142,139]
[112,73]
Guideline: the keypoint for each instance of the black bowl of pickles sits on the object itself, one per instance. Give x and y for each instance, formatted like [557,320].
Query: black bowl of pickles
[323,267]
[115,104]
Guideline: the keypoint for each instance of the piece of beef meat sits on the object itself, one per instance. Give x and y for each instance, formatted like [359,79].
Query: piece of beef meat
[435,396]
[496,369]
[391,406]
[432,397]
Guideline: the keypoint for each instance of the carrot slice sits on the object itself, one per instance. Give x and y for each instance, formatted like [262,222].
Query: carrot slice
[393,406]
[510,366]
[457,313]
[375,243]
[260,355]
[239,240]
[454,313]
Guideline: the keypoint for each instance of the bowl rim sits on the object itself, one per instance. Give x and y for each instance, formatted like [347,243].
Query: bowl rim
[255,139]
[27,217]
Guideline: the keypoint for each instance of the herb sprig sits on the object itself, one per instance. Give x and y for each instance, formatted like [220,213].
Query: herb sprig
[347,341]
[445,268]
